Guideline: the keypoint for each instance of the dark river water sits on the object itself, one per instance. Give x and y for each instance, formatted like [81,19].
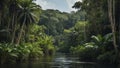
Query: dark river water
[58,61]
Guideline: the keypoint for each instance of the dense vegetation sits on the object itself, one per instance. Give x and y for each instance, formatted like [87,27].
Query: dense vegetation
[20,36]
[28,32]
[101,32]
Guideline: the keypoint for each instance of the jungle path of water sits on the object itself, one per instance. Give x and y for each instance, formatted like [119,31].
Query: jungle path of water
[60,60]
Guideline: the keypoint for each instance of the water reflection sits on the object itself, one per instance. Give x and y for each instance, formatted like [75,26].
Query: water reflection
[58,61]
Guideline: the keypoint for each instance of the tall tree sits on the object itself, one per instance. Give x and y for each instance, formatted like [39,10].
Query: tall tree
[26,15]
[13,12]
[101,15]
[111,12]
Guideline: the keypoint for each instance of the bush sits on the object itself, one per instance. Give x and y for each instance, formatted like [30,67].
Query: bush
[40,41]
[7,52]
[107,57]
[86,52]
[35,50]
[13,53]
[46,43]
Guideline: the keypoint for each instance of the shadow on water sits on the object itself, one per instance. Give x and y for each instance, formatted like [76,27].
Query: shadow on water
[59,61]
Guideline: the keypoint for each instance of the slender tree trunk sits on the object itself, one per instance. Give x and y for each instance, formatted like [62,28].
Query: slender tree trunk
[119,34]
[14,29]
[8,25]
[21,32]
[0,19]
[111,11]
[84,31]
[13,35]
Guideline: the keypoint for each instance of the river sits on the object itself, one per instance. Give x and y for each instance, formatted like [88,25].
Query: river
[60,60]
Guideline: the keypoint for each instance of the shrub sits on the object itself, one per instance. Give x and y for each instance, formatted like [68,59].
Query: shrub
[7,52]
[46,43]
[86,52]
[35,50]
[12,53]
[107,57]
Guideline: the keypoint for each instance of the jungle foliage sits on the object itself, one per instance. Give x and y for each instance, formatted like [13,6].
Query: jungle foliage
[28,32]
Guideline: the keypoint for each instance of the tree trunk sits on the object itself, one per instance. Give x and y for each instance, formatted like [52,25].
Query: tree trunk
[85,32]
[119,35]
[0,18]
[21,32]
[111,12]
[13,29]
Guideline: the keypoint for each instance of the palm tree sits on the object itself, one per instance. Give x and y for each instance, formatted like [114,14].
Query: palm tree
[26,15]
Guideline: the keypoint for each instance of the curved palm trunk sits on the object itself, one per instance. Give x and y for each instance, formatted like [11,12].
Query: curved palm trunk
[111,11]
[21,32]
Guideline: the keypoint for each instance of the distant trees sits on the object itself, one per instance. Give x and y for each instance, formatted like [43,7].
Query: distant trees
[74,36]
[57,21]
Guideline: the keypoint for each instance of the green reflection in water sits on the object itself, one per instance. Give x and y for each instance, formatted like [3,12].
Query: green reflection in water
[58,61]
